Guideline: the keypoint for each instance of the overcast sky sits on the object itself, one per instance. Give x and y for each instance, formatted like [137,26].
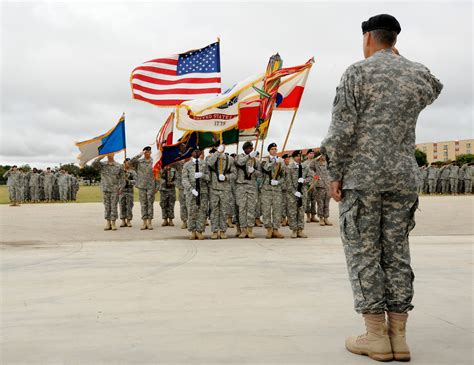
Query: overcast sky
[66,66]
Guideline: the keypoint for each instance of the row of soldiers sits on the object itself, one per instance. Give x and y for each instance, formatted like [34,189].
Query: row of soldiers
[40,185]
[226,189]
[450,178]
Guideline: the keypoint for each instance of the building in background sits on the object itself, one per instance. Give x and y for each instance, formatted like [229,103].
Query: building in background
[448,150]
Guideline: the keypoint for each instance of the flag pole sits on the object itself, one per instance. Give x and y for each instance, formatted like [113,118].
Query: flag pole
[289,130]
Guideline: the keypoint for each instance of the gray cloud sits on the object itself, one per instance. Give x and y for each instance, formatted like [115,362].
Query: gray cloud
[66,67]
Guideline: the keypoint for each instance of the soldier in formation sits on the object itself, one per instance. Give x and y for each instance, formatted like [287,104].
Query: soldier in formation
[450,178]
[14,186]
[321,185]
[167,194]
[126,195]
[310,162]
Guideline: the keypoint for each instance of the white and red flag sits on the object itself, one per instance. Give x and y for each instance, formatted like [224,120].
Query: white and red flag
[291,90]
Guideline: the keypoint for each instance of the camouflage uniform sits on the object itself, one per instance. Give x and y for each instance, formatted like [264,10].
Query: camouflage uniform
[48,184]
[284,195]
[183,211]
[167,192]
[444,177]
[371,150]
[311,194]
[432,179]
[22,183]
[13,184]
[33,178]
[126,196]
[111,182]
[424,187]
[62,180]
[220,191]
[467,178]
[197,207]
[74,187]
[322,189]
[296,206]
[454,178]
[271,196]
[146,184]
[246,192]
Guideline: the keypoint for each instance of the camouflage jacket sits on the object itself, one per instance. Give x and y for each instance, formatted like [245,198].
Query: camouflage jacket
[13,178]
[168,179]
[130,178]
[444,172]
[188,179]
[454,172]
[179,171]
[33,178]
[272,170]
[371,140]
[322,173]
[220,163]
[61,179]
[242,164]
[144,169]
[48,178]
[111,175]
[292,178]
[432,172]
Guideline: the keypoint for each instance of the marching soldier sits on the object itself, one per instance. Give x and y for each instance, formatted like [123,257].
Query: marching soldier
[310,210]
[222,172]
[14,186]
[284,196]
[167,194]
[248,169]
[146,184]
[33,178]
[194,174]
[321,185]
[126,195]
[273,178]
[183,212]
[370,148]
[297,179]
[111,183]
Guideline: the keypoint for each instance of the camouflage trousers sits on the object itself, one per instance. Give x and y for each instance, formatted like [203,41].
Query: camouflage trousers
[110,205]
[147,198]
[126,205]
[62,192]
[167,201]
[232,208]
[34,193]
[323,198]
[48,192]
[258,205]
[445,186]
[431,186]
[311,201]
[197,214]
[284,204]
[15,193]
[295,213]
[183,210]
[271,200]
[246,196]
[467,186]
[220,200]
[374,231]
[453,182]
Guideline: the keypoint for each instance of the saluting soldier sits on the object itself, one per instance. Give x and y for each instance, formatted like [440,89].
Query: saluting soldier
[14,186]
[126,195]
[167,194]
[48,182]
[146,184]
[371,154]
[284,189]
[33,182]
[271,196]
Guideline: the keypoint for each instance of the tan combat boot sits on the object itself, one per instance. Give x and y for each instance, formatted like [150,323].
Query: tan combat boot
[397,333]
[222,235]
[124,223]
[300,233]
[258,222]
[238,231]
[193,235]
[112,225]
[308,217]
[250,232]
[129,222]
[170,222]
[269,233]
[321,221]
[108,226]
[326,222]
[184,225]
[375,343]
[229,222]
[294,234]
[144,225]
[199,235]
[148,224]
[165,223]
[243,233]
[277,234]
[314,219]
[214,236]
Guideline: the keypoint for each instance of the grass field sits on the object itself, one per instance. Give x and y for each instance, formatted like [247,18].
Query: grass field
[86,194]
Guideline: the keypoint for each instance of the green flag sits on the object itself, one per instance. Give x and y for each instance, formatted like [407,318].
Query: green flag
[210,139]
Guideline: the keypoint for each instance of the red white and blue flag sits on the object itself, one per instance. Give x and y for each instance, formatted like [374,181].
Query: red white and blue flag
[163,138]
[171,80]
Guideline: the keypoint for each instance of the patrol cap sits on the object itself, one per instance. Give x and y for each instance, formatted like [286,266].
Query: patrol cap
[381,21]
[270,146]
[309,151]
[147,148]
[296,153]
[286,155]
[246,145]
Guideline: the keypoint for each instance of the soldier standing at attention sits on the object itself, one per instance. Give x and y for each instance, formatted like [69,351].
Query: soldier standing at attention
[310,209]
[432,173]
[62,178]
[22,182]
[371,161]
[222,172]
[297,179]
[454,178]
[14,187]
[183,212]
[33,178]
[167,195]
[284,197]
[194,174]
[271,196]
[444,177]
[111,183]
[146,184]
[126,196]
[248,169]
[323,195]
[49,178]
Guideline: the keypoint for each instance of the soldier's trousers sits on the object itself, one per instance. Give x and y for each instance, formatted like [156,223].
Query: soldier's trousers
[147,198]
[295,213]
[110,205]
[126,205]
[62,193]
[219,209]
[258,207]
[431,186]
[467,186]
[271,201]
[34,193]
[48,192]
[284,204]
[246,197]
[197,214]
[232,207]
[15,193]
[453,182]
[323,198]
[311,202]
[374,231]
[183,210]
[445,186]
[167,201]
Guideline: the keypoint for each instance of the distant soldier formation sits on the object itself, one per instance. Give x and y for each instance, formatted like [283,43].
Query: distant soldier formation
[40,186]
[449,178]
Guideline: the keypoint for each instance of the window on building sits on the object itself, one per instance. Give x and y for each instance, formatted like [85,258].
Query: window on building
[468,145]
[445,147]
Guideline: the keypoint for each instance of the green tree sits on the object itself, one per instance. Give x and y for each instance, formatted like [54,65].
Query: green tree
[3,169]
[25,167]
[89,173]
[71,168]
[421,158]
[466,158]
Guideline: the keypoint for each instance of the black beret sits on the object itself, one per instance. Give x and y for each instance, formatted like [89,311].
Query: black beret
[309,151]
[270,146]
[212,150]
[296,153]
[196,148]
[147,148]
[127,159]
[286,155]
[246,145]
[381,21]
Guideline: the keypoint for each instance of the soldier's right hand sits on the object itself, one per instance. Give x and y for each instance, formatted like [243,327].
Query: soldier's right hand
[221,148]
[195,192]
[298,194]
[274,182]
[197,175]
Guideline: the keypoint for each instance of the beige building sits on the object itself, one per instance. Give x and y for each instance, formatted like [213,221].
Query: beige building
[448,150]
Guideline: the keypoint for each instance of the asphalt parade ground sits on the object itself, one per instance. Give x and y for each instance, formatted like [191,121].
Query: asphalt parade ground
[74,294]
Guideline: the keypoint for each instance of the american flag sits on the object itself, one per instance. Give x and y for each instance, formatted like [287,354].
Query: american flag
[171,80]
